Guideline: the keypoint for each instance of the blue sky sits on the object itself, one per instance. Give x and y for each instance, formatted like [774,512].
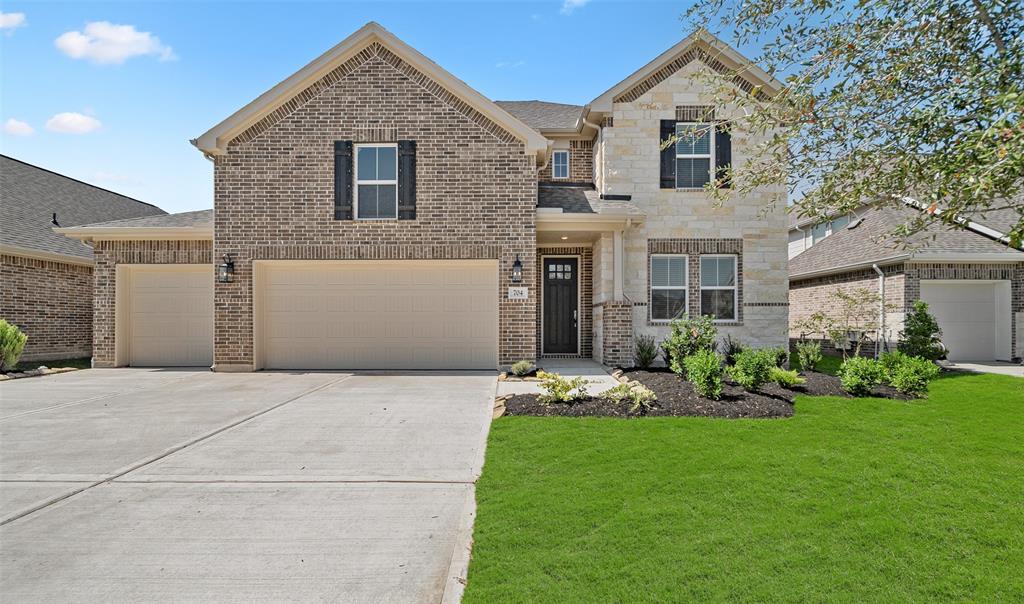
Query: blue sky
[117,106]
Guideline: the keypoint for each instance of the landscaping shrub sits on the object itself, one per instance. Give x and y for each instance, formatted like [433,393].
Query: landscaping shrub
[779,355]
[688,336]
[858,375]
[920,335]
[753,368]
[557,389]
[889,362]
[704,371]
[521,368]
[639,397]
[809,355]
[12,343]
[646,350]
[785,378]
[730,348]
[909,375]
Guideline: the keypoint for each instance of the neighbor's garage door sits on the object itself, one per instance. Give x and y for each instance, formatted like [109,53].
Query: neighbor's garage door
[378,315]
[170,315]
[974,317]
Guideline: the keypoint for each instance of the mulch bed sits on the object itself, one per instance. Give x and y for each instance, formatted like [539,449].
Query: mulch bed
[676,397]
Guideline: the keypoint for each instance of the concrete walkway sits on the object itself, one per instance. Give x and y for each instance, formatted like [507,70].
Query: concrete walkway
[161,485]
[1001,368]
[599,379]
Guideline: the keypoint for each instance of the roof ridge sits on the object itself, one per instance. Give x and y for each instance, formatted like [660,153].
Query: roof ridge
[82,182]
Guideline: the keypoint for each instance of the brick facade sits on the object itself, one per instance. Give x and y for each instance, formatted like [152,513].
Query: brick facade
[581,163]
[51,302]
[616,334]
[108,255]
[586,280]
[274,198]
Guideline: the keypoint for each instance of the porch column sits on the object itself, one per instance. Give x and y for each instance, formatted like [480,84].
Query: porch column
[617,266]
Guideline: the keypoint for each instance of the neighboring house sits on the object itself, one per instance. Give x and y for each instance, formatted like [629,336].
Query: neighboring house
[46,279]
[971,278]
[377,212]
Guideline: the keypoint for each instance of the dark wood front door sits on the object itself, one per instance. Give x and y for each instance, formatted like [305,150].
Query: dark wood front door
[561,305]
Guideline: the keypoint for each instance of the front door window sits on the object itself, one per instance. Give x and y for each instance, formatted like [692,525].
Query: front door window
[561,305]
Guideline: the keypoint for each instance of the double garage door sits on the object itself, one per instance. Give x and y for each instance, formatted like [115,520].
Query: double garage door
[377,315]
[974,317]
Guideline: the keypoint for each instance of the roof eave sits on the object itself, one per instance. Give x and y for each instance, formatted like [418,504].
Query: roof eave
[26,252]
[215,140]
[86,234]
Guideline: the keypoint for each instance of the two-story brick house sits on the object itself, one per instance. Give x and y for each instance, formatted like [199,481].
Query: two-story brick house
[373,211]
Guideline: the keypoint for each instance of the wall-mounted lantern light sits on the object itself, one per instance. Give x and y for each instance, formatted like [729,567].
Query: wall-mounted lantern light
[517,271]
[226,270]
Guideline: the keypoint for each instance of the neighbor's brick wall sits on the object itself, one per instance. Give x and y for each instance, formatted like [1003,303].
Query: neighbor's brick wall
[109,254]
[581,162]
[586,280]
[631,148]
[817,294]
[274,195]
[51,302]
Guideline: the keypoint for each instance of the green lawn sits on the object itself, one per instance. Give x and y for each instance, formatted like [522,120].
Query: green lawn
[862,500]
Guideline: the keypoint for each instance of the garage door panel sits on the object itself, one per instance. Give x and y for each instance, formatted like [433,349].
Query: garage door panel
[413,315]
[170,315]
[969,317]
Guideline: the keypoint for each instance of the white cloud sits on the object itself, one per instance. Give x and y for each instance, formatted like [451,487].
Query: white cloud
[503,64]
[17,128]
[72,123]
[103,42]
[570,5]
[12,20]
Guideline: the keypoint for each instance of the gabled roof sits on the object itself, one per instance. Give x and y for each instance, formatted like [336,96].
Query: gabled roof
[31,195]
[699,45]
[542,115]
[215,141]
[867,243]
[184,225]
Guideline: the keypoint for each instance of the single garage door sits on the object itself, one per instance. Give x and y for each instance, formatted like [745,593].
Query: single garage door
[378,315]
[169,315]
[974,317]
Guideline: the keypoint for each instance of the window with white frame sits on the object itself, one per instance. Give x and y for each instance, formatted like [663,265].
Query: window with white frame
[695,148]
[560,164]
[376,186]
[718,287]
[668,286]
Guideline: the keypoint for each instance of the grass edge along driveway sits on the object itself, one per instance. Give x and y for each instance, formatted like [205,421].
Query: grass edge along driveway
[850,500]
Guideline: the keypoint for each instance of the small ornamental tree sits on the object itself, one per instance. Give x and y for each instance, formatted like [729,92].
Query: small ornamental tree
[12,343]
[688,336]
[920,335]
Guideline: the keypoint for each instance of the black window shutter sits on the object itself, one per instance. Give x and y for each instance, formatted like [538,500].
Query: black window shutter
[343,180]
[723,155]
[668,155]
[406,180]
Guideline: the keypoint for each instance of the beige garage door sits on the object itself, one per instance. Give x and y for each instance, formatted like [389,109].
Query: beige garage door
[169,315]
[974,317]
[378,315]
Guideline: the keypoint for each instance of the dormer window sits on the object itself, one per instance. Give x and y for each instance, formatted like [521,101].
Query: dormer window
[695,146]
[560,165]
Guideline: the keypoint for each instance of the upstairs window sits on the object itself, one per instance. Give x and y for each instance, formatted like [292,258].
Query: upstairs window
[668,287]
[560,164]
[718,287]
[376,190]
[695,146]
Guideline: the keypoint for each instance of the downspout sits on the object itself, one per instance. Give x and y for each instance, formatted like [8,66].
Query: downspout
[600,142]
[881,310]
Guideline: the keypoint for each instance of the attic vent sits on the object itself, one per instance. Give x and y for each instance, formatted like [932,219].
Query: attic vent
[854,223]
[695,113]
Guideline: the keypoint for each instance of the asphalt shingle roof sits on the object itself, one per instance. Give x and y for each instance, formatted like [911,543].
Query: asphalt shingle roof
[29,196]
[196,219]
[868,243]
[580,200]
[542,115]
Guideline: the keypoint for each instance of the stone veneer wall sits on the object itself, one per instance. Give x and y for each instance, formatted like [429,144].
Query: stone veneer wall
[581,162]
[51,302]
[586,281]
[109,254]
[274,197]
[631,149]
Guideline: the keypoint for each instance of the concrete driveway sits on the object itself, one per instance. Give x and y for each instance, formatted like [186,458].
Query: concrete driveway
[174,485]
